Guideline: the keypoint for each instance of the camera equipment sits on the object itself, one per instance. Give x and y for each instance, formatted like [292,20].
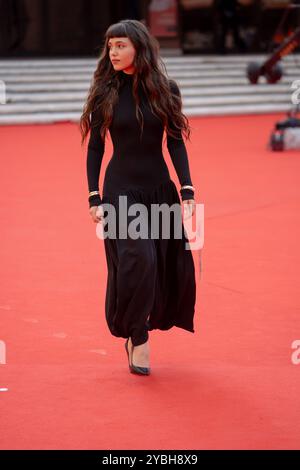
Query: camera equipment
[287,133]
[270,69]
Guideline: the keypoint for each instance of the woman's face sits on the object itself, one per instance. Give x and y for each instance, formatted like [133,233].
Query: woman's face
[121,54]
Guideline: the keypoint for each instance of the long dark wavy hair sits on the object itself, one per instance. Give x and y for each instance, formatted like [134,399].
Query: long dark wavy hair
[150,73]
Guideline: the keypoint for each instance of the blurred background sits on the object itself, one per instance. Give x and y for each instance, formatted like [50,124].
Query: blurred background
[51,27]
[49,48]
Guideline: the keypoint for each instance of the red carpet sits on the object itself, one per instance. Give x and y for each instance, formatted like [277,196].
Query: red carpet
[229,385]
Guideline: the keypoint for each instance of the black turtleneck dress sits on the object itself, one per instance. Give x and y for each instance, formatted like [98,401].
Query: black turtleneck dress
[150,281]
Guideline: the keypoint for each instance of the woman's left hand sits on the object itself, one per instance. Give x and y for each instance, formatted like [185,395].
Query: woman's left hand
[189,208]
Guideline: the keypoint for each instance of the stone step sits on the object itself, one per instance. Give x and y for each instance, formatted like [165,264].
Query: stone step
[10,71]
[191,102]
[182,60]
[86,78]
[185,84]
[51,90]
[48,118]
[191,92]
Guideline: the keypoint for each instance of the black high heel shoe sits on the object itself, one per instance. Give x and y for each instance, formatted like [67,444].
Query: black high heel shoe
[126,347]
[135,369]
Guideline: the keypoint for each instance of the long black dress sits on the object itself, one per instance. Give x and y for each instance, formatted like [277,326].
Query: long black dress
[150,282]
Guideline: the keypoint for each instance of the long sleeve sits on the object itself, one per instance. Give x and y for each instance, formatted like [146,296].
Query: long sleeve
[95,152]
[178,153]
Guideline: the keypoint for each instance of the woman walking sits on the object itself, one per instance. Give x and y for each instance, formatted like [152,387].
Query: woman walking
[151,281]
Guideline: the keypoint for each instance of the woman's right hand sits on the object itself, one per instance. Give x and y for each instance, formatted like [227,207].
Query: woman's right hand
[97,213]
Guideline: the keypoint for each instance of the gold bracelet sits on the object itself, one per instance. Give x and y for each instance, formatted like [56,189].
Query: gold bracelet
[92,193]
